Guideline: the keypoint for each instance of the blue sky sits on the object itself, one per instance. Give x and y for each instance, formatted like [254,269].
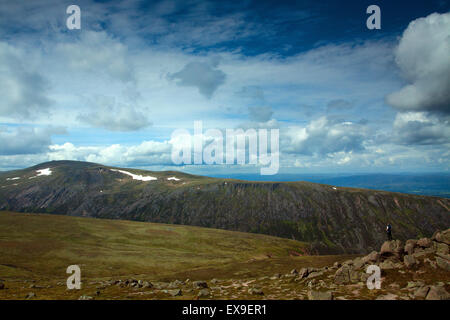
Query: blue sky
[345,98]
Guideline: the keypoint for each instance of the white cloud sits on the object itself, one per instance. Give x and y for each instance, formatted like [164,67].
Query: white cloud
[23,89]
[323,137]
[145,154]
[423,57]
[26,140]
[421,128]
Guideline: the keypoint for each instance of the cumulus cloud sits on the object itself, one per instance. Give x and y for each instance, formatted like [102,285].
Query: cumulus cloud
[26,140]
[205,77]
[143,154]
[23,90]
[423,57]
[412,128]
[324,136]
[113,116]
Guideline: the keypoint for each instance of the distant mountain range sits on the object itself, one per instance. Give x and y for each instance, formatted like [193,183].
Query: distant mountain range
[332,219]
[428,184]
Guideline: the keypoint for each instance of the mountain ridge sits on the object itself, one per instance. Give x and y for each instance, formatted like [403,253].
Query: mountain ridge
[332,219]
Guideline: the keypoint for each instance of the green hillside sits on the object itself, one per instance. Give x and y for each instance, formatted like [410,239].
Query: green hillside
[35,250]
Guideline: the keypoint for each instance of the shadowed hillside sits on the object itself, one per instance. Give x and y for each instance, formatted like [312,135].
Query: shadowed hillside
[332,220]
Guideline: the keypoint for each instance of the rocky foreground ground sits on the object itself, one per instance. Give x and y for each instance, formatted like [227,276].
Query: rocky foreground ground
[418,269]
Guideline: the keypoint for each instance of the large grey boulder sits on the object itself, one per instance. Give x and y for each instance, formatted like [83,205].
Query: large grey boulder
[392,248]
[409,261]
[342,275]
[424,243]
[442,236]
[443,263]
[437,293]
[422,292]
[441,248]
[409,246]
[371,257]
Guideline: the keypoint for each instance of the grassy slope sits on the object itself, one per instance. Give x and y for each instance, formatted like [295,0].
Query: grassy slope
[39,248]
[44,245]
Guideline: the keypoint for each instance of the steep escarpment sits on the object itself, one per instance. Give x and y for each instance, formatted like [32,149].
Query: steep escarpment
[331,219]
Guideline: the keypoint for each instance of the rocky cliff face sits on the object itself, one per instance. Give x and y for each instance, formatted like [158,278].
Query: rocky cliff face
[332,219]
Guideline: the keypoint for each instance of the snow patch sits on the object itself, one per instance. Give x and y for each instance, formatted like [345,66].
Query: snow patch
[334,188]
[136,176]
[42,172]
[173,178]
[16,178]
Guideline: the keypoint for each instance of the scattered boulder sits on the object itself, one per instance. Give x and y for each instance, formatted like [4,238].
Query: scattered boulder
[315,274]
[175,292]
[358,263]
[371,257]
[175,284]
[441,248]
[392,248]
[294,271]
[199,284]
[387,265]
[424,243]
[256,291]
[409,261]
[409,246]
[320,295]
[342,275]
[203,293]
[30,295]
[303,273]
[421,293]
[437,293]
[355,276]
[85,297]
[443,263]
[412,284]
[443,236]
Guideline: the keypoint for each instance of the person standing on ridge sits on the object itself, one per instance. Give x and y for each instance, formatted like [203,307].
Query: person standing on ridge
[389,231]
